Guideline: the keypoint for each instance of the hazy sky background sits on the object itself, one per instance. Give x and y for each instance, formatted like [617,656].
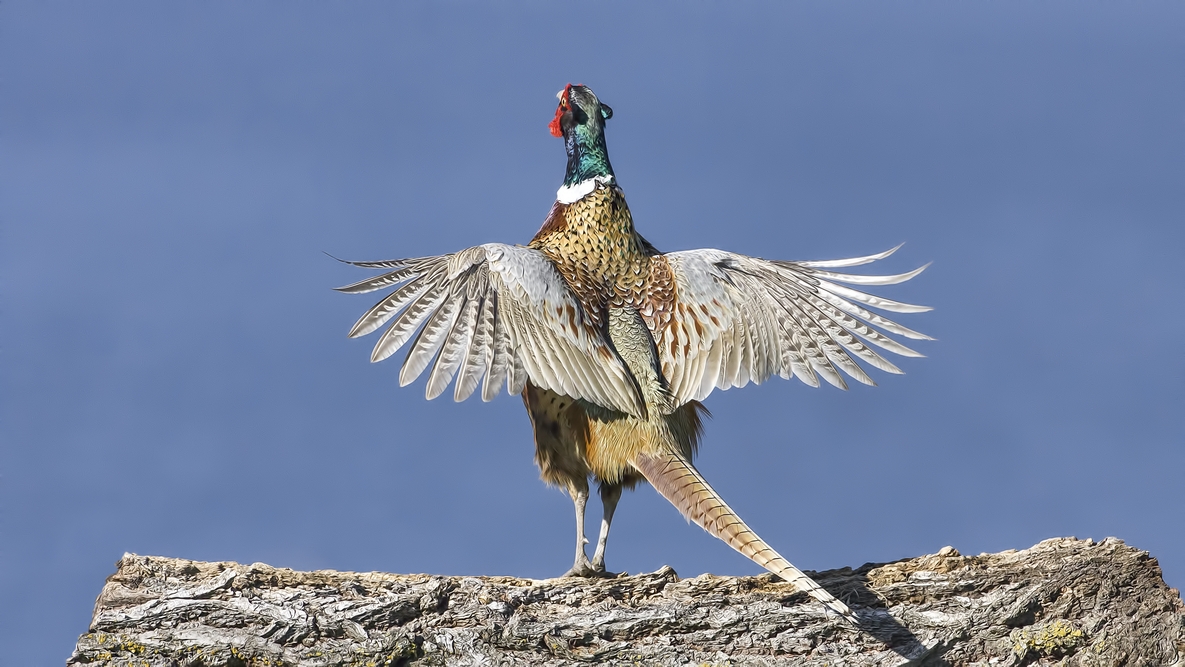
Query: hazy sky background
[176,377]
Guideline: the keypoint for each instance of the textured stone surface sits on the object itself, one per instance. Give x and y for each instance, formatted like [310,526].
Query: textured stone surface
[1063,601]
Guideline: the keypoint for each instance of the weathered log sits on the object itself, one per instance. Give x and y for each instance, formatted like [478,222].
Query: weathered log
[1064,601]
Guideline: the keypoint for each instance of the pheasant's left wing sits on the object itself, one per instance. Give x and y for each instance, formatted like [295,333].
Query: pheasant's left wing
[498,312]
[740,319]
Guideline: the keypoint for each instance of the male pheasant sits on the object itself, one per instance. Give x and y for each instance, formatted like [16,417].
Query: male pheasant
[612,344]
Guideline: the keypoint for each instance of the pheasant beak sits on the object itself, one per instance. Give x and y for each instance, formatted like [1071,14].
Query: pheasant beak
[554,126]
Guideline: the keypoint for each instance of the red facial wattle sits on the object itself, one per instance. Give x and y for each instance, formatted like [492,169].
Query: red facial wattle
[554,125]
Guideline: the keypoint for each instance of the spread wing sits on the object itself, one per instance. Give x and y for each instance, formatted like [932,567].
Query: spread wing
[741,319]
[498,312]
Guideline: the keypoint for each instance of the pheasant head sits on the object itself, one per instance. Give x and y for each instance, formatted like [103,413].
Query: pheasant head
[580,120]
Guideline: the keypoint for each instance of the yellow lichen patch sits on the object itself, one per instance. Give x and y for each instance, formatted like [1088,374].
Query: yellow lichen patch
[130,646]
[1053,640]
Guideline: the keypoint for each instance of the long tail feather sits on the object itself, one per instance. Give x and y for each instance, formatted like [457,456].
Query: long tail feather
[679,482]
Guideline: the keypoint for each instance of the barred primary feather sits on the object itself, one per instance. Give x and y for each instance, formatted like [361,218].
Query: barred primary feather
[379,282]
[473,362]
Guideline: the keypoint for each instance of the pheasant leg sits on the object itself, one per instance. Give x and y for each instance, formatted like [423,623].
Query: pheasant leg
[610,494]
[580,567]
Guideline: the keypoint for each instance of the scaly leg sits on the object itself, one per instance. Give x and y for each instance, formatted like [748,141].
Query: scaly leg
[610,494]
[580,567]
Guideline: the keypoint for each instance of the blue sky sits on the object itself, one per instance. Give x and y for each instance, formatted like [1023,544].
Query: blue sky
[176,378]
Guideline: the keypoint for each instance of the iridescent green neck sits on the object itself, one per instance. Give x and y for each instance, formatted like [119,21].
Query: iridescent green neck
[587,155]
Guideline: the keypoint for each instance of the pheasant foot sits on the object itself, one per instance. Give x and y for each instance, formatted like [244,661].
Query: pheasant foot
[590,572]
[583,568]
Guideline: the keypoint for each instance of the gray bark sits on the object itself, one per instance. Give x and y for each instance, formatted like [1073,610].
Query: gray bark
[1064,601]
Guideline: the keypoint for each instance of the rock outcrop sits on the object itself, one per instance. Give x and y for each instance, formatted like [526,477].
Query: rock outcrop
[1063,601]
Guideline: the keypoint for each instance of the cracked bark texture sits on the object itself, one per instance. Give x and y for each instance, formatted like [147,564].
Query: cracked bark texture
[1063,601]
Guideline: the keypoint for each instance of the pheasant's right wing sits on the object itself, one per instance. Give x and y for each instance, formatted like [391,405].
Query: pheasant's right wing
[496,311]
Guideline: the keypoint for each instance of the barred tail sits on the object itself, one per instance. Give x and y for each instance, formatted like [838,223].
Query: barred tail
[679,482]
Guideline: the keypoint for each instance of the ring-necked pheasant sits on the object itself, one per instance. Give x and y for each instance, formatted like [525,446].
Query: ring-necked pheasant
[612,344]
